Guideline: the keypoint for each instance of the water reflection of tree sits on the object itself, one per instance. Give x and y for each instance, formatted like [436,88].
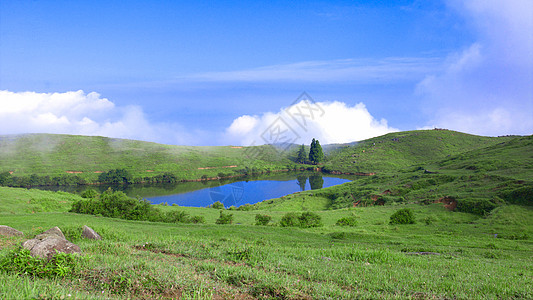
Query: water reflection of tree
[302,179]
[316,181]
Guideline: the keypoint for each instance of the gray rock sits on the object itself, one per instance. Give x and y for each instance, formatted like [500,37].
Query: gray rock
[47,244]
[8,231]
[89,233]
[52,231]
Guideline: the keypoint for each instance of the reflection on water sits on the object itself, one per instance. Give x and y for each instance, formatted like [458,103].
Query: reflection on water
[236,191]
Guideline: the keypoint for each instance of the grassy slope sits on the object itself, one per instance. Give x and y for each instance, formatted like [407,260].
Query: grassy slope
[246,261]
[48,154]
[394,151]
[486,168]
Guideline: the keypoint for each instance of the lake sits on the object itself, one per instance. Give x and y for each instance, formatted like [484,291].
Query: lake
[236,192]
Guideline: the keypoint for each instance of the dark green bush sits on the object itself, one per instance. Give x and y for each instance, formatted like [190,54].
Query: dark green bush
[177,217]
[310,219]
[117,205]
[90,193]
[217,205]
[479,207]
[224,218]
[403,216]
[262,219]
[347,221]
[305,220]
[197,220]
[289,220]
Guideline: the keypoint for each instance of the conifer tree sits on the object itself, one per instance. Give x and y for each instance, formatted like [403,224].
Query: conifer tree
[301,155]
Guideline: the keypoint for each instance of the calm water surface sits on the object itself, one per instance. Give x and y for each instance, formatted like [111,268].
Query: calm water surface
[248,192]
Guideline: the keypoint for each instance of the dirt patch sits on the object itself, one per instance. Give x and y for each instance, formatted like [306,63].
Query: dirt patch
[449,202]
[236,147]
[74,172]
[149,170]
[98,172]
[386,192]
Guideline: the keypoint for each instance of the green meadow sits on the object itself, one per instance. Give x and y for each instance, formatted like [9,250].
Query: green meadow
[480,247]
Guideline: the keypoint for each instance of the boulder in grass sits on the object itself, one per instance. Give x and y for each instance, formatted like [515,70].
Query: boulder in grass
[8,231]
[89,233]
[48,243]
[52,231]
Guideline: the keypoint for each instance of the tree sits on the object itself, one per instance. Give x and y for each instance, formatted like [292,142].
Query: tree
[316,155]
[301,155]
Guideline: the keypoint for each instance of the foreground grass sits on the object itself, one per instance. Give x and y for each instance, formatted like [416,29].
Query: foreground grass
[488,257]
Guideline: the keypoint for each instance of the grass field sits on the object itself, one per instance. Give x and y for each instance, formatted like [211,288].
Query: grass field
[481,250]
[478,257]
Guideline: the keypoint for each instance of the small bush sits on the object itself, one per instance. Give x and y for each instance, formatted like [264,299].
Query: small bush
[479,207]
[310,219]
[289,220]
[403,216]
[429,220]
[347,221]
[245,207]
[262,219]
[176,217]
[89,194]
[217,205]
[224,218]
[197,220]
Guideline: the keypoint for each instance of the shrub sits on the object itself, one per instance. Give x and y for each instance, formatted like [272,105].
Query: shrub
[289,220]
[403,216]
[347,221]
[224,218]
[217,205]
[262,219]
[245,207]
[197,220]
[479,207]
[310,219]
[176,217]
[89,194]
[118,205]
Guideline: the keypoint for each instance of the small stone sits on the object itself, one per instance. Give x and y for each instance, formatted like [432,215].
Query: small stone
[8,231]
[52,231]
[89,233]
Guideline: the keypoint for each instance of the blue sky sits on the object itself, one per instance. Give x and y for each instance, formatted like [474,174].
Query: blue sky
[221,72]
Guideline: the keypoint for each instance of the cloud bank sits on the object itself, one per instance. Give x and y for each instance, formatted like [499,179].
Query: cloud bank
[76,112]
[487,88]
[329,122]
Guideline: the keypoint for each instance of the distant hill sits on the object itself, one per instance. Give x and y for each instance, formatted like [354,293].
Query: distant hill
[88,156]
[398,150]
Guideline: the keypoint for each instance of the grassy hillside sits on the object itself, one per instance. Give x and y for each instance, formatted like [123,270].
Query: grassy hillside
[87,157]
[498,170]
[471,256]
[393,151]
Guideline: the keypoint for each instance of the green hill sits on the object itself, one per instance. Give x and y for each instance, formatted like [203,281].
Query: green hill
[87,157]
[398,150]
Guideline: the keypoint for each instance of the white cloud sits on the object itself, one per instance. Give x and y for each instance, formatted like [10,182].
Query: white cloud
[85,114]
[487,88]
[329,122]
